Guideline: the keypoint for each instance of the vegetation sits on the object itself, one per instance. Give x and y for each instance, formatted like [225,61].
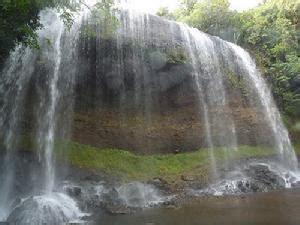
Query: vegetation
[237,82]
[270,31]
[19,19]
[213,17]
[177,56]
[129,166]
[103,17]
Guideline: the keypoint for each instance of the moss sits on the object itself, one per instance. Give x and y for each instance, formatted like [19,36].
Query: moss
[26,143]
[236,82]
[297,148]
[177,56]
[129,166]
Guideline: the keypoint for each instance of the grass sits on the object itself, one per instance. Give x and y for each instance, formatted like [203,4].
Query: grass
[297,148]
[130,166]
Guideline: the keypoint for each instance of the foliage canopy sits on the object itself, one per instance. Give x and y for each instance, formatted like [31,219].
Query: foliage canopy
[19,19]
[271,32]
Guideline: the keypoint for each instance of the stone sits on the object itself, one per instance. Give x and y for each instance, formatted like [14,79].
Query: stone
[263,178]
[176,151]
[187,178]
[296,185]
[160,183]
[111,196]
[118,209]
[74,191]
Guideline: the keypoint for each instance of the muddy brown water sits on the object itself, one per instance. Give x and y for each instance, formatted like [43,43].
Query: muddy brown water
[273,208]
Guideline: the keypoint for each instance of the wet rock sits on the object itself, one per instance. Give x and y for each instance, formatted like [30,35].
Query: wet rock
[160,183]
[176,151]
[96,199]
[244,186]
[187,178]
[296,184]
[119,209]
[264,179]
[157,60]
[170,204]
[93,202]
[16,202]
[111,196]
[74,191]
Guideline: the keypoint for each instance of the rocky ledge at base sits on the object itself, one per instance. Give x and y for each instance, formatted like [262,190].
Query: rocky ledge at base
[98,194]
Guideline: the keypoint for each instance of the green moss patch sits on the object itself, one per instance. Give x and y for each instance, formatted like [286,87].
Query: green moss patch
[297,148]
[130,166]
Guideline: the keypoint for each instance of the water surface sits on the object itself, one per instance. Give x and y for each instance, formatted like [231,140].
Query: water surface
[275,208]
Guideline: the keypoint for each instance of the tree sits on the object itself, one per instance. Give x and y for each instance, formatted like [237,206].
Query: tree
[270,32]
[165,13]
[19,19]
[213,17]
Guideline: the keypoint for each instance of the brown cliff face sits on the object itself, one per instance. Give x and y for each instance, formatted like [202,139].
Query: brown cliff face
[138,91]
[152,87]
[175,124]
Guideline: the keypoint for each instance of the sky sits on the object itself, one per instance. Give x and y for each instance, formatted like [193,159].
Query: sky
[241,5]
[151,6]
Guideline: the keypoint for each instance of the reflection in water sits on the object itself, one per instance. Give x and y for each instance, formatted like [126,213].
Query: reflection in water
[274,208]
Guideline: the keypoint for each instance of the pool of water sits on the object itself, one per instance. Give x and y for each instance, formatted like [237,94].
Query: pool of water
[274,208]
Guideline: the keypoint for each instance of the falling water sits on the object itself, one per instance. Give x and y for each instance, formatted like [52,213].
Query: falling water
[218,124]
[134,29]
[51,208]
[266,103]
[37,71]
[132,67]
[47,122]
[209,55]
[14,84]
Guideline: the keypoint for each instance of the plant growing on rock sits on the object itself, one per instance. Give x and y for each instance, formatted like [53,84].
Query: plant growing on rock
[177,55]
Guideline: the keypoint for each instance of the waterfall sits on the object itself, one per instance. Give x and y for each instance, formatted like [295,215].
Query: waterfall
[265,101]
[209,82]
[207,54]
[146,69]
[37,71]
[47,122]
[14,85]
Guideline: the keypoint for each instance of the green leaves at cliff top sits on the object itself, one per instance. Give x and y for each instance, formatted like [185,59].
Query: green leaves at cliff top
[103,17]
[270,31]
[19,19]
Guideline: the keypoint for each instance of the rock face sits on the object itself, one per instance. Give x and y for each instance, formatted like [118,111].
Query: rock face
[254,177]
[264,178]
[138,90]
